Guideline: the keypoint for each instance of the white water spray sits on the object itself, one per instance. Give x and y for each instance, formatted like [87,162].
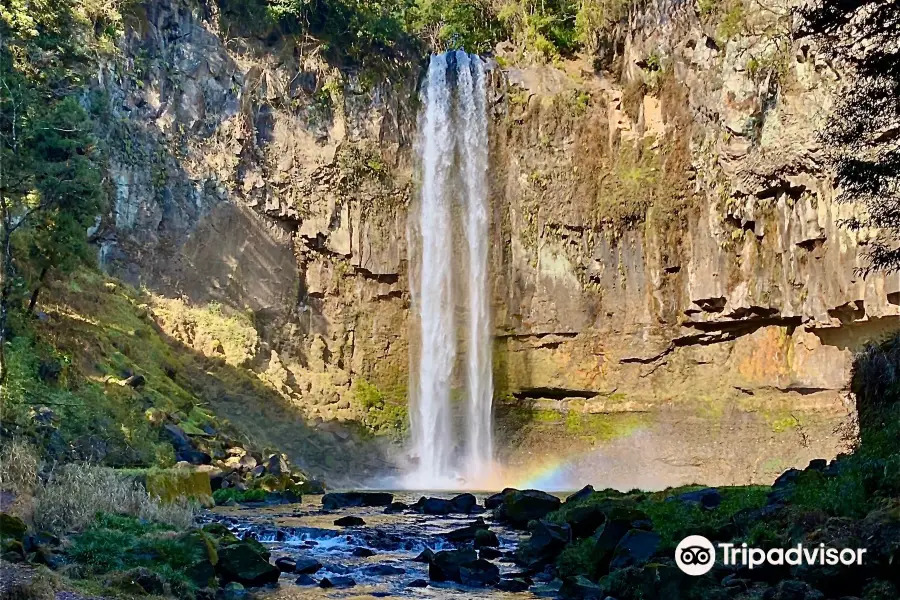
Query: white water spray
[454,155]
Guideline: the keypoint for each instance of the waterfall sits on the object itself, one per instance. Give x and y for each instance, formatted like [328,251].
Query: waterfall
[453,154]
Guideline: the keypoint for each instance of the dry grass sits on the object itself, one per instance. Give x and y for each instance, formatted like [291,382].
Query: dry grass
[74,494]
[19,465]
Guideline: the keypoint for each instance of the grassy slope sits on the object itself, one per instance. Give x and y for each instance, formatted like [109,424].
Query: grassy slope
[92,332]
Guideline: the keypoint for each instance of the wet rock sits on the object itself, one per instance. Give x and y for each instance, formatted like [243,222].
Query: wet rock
[520,507]
[581,587]
[512,585]
[363,552]
[349,521]
[581,494]
[488,553]
[285,564]
[466,534]
[312,487]
[258,471]
[395,507]
[546,542]
[336,500]
[426,556]
[707,499]
[485,538]
[244,563]
[634,549]
[433,506]
[479,573]
[463,503]
[495,500]
[306,566]
[417,583]
[383,570]
[233,591]
[305,580]
[444,565]
[338,582]
[584,520]
[550,589]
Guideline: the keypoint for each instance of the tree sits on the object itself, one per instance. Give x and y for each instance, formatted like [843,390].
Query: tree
[50,185]
[863,132]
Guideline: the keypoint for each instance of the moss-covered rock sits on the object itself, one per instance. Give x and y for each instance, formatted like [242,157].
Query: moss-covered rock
[172,485]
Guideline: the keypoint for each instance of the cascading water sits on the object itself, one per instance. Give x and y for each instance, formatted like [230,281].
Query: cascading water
[454,155]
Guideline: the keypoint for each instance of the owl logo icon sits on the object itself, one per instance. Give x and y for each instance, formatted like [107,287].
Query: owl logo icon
[695,555]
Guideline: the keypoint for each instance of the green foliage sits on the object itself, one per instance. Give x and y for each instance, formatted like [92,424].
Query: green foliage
[221,496]
[385,414]
[122,543]
[456,24]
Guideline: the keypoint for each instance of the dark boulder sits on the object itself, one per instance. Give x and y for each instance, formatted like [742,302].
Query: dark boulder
[313,487]
[433,506]
[135,381]
[285,564]
[363,552]
[479,573]
[789,477]
[520,507]
[177,437]
[337,582]
[242,562]
[383,570]
[12,527]
[585,519]
[817,464]
[463,503]
[417,583]
[546,542]
[489,553]
[395,507]
[194,457]
[485,538]
[466,534]
[707,499]
[495,500]
[305,580]
[581,587]
[634,549]
[306,566]
[349,521]
[581,494]
[444,565]
[425,556]
[512,585]
[336,500]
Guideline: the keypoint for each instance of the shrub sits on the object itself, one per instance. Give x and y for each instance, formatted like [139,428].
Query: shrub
[74,494]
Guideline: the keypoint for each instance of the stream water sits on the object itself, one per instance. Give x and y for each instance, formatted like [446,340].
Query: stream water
[306,530]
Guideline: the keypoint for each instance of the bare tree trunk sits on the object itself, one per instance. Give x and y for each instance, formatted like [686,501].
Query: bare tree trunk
[37,290]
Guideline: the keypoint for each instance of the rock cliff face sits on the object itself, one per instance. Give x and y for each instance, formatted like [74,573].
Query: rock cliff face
[672,288]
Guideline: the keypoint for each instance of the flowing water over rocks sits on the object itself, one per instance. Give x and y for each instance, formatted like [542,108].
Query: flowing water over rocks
[378,557]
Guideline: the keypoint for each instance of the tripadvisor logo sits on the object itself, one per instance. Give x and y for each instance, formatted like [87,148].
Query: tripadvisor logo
[696,555]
